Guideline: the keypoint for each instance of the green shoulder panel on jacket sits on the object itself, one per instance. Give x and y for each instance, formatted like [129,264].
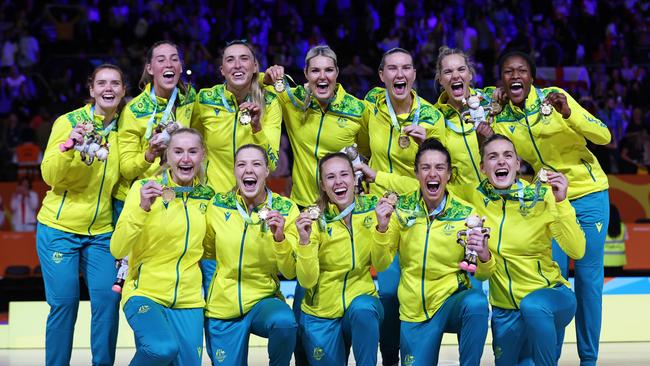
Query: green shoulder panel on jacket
[299,93]
[225,200]
[269,97]
[348,106]
[455,212]
[281,204]
[187,98]
[408,202]
[365,203]
[142,106]
[78,116]
[212,96]
[372,95]
[429,114]
[202,192]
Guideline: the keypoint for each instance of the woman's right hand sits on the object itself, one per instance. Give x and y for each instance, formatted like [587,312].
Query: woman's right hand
[384,211]
[148,194]
[369,174]
[156,148]
[303,223]
[273,73]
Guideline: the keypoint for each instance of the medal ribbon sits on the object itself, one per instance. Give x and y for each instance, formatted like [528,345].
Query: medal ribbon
[393,116]
[247,218]
[166,112]
[342,214]
[178,189]
[414,214]
[105,130]
[520,195]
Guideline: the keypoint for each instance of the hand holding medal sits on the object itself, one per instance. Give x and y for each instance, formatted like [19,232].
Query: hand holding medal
[274,220]
[558,101]
[304,223]
[353,154]
[148,194]
[249,113]
[384,210]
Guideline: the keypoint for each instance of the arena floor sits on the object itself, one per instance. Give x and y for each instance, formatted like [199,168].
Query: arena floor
[628,354]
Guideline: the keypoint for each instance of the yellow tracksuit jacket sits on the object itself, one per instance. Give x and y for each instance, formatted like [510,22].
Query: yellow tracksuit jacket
[334,268]
[386,155]
[249,258]
[223,134]
[317,131]
[132,128]
[79,199]
[555,143]
[428,255]
[164,246]
[521,243]
[461,141]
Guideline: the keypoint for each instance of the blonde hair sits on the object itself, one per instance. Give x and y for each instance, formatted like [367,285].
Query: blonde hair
[256,92]
[201,174]
[445,51]
[320,50]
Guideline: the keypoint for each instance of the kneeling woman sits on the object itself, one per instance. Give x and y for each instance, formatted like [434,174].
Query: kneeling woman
[251,234]
[434,294]
[161,230]
[341,307]
[531,301]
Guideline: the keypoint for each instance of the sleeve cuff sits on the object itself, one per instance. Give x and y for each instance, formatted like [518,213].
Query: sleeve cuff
[307,251]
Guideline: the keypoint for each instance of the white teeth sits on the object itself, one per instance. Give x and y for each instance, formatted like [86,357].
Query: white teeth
[168,74]
[238,74]
[340,190]
[322,84]
[515,85]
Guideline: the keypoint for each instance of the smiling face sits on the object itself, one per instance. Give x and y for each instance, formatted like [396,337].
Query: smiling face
[238,66]
[500,163]
[398,75]
[321,73]
[184,156]
[337,181]
[517,79]
[433,172]
[165,68]
[455,78]
[107,89]
[251,172]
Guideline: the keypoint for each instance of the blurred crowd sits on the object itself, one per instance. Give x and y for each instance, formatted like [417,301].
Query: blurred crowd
[49,49]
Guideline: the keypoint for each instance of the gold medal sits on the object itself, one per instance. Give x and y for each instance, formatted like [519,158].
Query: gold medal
[546,109]
[391,197]
[495,108]
[245,117]
[314,212]
[352,152]
[263,213]
[403,141]
[168,194]
[542,175]
[279,85]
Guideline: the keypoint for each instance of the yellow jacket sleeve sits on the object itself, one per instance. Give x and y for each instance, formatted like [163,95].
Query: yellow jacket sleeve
[209,251]
[363,137]
[129,225]
[284,249]
[384,246]
[132,162]
[586,124]
[398,183]
[565,229]
[485,269]
[269,136]
[307,261]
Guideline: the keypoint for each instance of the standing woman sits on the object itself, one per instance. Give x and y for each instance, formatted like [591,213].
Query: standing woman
[161,230]
[340,308]
[320,118]
[402,121]
[164,98]
[455,72]
[531,301]
[435,296]
[75,223]
[251,234]
[550,130]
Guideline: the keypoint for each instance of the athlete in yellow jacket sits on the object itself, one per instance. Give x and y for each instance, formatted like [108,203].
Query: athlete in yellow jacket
[161,230]
[550,130]
[340,308]
[434,294]
[75,222]
[251,233]
[531,301]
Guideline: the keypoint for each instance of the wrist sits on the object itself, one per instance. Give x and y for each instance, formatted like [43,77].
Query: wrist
[279,237]
[145,208]
[381,229]
[149,156]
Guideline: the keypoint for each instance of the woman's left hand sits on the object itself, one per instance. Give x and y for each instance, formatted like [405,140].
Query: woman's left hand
[559,184]
[560,103]
[276,224]
[255,111]
[477,242]
[417,132]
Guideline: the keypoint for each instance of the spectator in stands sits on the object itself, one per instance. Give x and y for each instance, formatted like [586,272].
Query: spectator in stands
[615,257]
[28,156]
[24,205]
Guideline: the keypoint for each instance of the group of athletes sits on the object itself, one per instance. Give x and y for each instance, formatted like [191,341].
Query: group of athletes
[182,193]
